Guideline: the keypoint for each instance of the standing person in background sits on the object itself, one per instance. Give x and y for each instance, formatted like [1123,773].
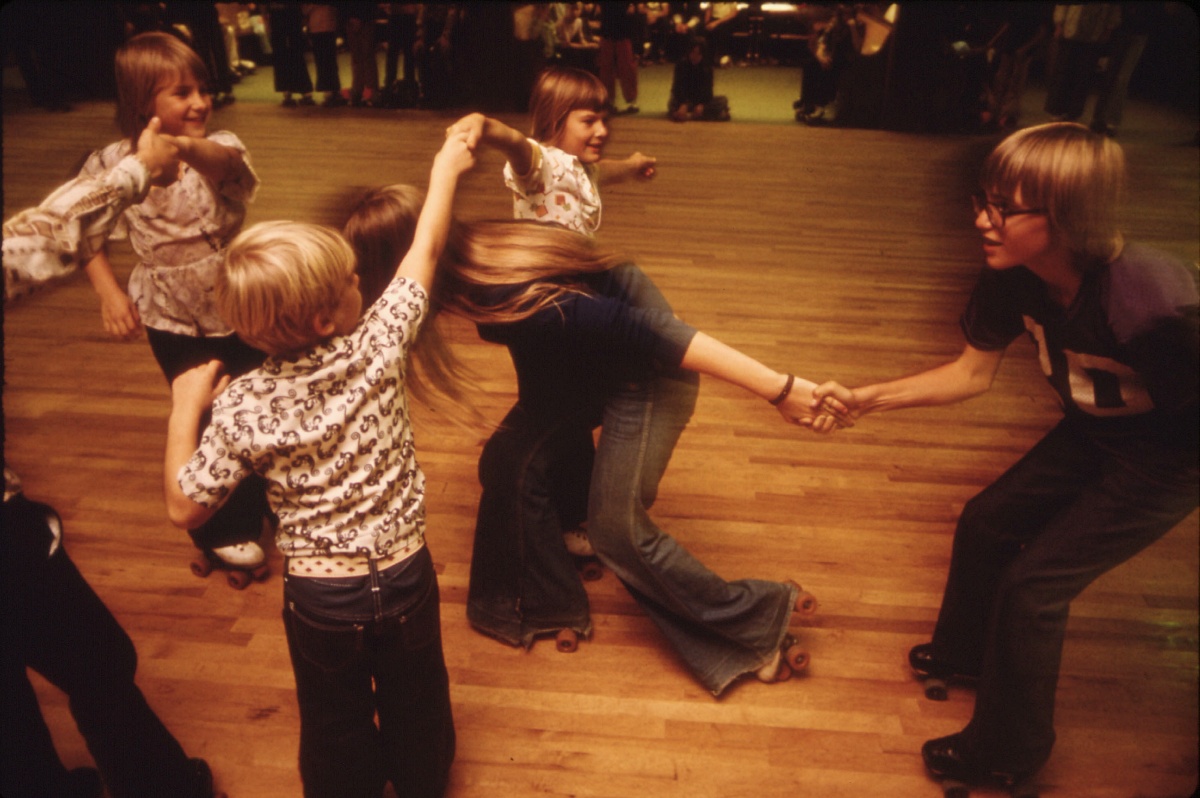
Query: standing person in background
[288,47]
[1081,32]
[1124,51]
[401,37]
[615,59]
[359,21]
[322,22]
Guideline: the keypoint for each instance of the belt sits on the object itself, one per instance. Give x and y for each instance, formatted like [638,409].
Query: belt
[331,565]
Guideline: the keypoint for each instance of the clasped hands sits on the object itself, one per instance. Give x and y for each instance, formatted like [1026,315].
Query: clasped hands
[822,408]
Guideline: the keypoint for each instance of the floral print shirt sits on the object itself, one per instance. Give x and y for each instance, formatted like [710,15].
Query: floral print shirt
[329,430]
[558,188]
[179,234]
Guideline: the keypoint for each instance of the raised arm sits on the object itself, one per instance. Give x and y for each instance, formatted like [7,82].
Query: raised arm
[429,239]
[493,133]
[969,375]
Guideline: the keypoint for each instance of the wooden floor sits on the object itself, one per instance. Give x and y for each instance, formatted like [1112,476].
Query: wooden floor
[833,253]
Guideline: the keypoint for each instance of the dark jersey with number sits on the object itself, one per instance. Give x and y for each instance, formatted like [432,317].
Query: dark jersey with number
[1123,357]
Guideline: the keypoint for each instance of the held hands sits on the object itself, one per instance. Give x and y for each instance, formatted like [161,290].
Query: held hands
[472,125]
[799,407]
[833,394]
[159,153]
[456,153]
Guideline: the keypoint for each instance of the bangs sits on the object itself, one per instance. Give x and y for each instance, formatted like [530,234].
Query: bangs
[1075,176]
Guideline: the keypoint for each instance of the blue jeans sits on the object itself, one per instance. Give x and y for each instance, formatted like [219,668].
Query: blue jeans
[362,646]
[1071,509]
[535,472]
[721,630]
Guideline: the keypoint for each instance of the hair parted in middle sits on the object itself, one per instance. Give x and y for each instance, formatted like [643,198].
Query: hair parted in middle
[1075,175]
[143,65]
[278,279]
[559,91]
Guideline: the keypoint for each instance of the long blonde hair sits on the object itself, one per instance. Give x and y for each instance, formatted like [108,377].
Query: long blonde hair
[543,262]
[1075,175]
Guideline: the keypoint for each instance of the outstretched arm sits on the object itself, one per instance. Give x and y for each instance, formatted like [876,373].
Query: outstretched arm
[494,133]
[969,375]
[792,395]
[636,165]
[71,225]
[429,239]
[192,394]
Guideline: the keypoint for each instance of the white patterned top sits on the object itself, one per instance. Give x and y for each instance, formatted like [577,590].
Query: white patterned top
[179,234]
[329,429]
[51,241]
[558,188]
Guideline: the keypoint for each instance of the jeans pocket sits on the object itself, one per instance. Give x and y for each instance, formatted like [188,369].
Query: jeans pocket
[420,625]
[326,646]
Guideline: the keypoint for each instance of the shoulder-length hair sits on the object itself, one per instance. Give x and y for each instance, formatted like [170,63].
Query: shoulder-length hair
[143,64]
[559,91]
[1075,176]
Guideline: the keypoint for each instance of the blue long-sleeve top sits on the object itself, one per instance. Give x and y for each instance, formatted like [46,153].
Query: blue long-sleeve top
[577,350]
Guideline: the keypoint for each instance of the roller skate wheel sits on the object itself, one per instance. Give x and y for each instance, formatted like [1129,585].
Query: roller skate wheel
[201,566]
[935,690]
[796,658]
[566,641]
[591,570]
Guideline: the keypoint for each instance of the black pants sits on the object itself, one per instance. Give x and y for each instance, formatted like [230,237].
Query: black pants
[240,519]
[55,624]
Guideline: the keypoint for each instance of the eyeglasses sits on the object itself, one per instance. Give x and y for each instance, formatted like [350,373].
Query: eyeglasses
[998,214]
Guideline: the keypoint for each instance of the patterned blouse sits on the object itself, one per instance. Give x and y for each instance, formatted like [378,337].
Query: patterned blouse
[179,234]
[52,240]
[329,429]
[558,188]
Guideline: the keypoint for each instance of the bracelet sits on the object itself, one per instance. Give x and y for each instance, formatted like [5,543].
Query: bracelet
[787,388]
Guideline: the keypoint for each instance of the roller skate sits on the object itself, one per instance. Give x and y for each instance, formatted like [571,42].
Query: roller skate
[580,547]
[945,762]
[787,661]
[806,603]
[243,563]
[934,674]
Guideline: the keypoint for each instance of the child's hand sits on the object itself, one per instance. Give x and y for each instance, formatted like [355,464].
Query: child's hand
[643,165]
[472,125]
[160,154]
[455,154]
[195,389]
[120,315]
[836,398]
[799,407]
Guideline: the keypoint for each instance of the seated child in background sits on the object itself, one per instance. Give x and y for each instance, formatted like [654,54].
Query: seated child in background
[692,89]
[325,421]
